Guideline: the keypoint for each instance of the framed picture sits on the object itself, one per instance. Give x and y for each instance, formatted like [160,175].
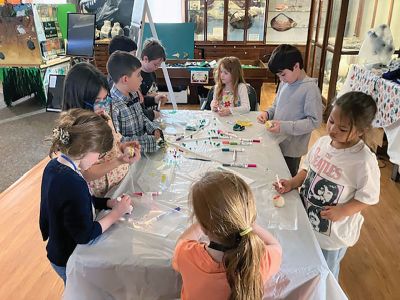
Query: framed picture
[199,77]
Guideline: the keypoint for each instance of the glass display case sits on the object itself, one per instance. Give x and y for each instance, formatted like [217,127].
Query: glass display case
[335,35]
[247,29]
[288,21]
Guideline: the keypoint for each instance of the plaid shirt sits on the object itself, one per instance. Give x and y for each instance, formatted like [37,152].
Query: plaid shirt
[129,120]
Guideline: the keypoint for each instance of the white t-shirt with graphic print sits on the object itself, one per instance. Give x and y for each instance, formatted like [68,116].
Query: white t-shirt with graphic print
[336,176]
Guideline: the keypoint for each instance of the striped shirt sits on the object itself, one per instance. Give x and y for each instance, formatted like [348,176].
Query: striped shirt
[129,120]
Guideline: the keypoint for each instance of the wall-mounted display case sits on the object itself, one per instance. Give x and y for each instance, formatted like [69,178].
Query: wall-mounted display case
[248,29]
[336,31]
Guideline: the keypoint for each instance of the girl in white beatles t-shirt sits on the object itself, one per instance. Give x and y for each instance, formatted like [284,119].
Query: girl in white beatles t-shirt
[339,177]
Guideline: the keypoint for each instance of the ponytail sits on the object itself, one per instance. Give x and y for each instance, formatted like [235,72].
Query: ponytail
[242,266]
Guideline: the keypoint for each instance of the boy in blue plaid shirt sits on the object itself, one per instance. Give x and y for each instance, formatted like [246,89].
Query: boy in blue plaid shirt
[126,111]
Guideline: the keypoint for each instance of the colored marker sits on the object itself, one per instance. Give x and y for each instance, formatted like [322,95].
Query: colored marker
[168,213]
[251,140]
[278,181]
[145,193]
[240,165]
[231,150]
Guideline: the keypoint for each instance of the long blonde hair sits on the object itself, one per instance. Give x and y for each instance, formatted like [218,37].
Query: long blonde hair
[224,206]
[79,131]
[232,65]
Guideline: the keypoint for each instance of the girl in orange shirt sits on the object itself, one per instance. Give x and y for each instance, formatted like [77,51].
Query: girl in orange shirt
[240,257]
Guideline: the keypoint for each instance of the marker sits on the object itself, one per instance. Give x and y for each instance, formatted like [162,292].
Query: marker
[236,143]
[251,140]
[144,193]
[167,213]
[198,158]
[234,155]
[232,150]
[240,165]
[278,181]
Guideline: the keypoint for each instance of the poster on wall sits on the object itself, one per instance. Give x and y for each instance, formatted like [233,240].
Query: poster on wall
[51,42]
[19,45]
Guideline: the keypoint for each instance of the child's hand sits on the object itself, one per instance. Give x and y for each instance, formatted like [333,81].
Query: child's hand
[123,205]
[276,126]
[141,98]
[223,112]
[157,134]
[161,98]
[262,117]
[131,152]
[333,213]
[214,105]
[157,114]
[286,186]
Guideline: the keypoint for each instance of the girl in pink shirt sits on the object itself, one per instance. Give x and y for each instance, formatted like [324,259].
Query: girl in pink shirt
[239,257]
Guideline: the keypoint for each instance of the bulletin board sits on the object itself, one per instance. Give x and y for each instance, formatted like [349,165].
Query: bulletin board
[177,46]
[18,39]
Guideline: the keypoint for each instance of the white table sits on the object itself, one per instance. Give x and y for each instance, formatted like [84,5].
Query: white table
[129,264]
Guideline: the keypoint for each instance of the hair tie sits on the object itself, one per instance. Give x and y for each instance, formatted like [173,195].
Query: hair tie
[246,231]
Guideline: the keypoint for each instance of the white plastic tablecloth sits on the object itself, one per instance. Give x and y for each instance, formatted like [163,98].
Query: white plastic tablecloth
[127,263]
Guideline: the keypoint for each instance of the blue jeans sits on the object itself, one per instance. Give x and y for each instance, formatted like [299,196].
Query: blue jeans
[333,258]
[61,271]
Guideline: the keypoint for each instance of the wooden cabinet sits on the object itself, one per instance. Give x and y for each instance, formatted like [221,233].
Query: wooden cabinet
[101,54]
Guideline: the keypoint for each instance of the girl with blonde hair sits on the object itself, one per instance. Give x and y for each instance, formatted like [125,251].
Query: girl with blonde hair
[230,91]
[240,257]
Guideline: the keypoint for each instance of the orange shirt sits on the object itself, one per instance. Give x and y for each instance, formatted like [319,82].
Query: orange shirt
[204,278]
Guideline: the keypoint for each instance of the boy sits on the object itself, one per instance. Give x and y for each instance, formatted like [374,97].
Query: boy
[126,44]
[121,43]
[297,109]
[126,112]
[153,54]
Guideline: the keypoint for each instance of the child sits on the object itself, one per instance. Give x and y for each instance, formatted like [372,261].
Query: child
[240,257]
[126,112]
[121,43]
[153,54]
[230,92]
[297,109]
[86,87]
[339,177]
[66,207]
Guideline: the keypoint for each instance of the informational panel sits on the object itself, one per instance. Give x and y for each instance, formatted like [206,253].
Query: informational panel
[177,46]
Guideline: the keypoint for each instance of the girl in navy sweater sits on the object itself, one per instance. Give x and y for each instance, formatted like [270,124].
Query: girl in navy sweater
[67,207]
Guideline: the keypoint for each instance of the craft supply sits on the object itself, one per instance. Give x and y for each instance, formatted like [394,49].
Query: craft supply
[197,158]
[269,124]
[235,143]
[231,150]
[251,140]
[238,127]
[157,218]
[147,193]
[278,201]
[234,156]
[244,123]
[278,182]
[240,165]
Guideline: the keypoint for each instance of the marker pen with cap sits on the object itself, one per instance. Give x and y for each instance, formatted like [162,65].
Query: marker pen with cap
[240,165]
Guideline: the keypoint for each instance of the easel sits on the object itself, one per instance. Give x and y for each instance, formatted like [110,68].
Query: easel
[139,13]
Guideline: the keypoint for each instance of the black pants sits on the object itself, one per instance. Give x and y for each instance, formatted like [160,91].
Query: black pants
[293,164]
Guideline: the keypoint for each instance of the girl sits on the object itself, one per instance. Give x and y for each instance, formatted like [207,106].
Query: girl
[66,207]
[339,177]
[240,256]
[230,92]
[86,87]
[151,57]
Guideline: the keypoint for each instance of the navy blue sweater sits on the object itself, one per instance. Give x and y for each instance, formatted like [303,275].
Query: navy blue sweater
[66,216]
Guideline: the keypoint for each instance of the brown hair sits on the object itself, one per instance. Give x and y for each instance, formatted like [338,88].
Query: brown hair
[79,131]
[232,65]
[360,109]
[122,63]
[153,49]
[224,206]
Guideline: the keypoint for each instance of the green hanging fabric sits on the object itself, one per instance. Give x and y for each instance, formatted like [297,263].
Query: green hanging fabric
[21,82]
